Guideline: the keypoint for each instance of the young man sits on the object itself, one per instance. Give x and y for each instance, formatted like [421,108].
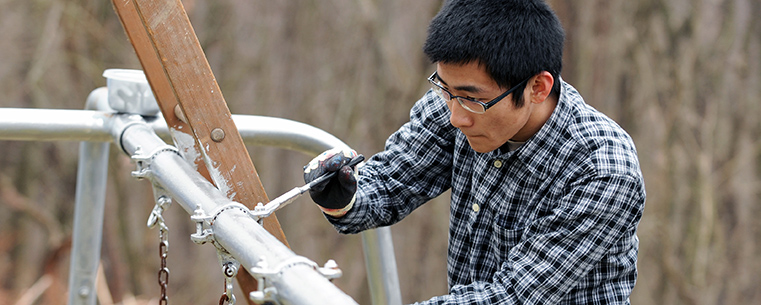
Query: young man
[546,191]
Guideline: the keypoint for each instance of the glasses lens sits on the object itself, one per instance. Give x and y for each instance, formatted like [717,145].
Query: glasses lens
[443,94]
[471,105]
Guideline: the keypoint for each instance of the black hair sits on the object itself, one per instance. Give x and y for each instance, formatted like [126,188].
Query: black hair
[512,39]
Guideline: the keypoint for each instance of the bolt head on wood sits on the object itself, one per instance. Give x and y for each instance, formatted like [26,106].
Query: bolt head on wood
[217,134]
[179,114]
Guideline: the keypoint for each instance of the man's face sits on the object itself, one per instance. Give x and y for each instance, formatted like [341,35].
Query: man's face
[490,130]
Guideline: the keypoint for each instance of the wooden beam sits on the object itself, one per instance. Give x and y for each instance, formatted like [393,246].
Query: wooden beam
[192,103]
[181,132]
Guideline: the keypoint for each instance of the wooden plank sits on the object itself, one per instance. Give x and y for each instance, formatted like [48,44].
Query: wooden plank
[183,83]
[181,133]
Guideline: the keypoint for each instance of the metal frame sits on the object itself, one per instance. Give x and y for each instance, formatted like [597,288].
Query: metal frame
[296,279]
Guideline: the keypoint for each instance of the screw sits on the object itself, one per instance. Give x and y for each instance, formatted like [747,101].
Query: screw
[84,292]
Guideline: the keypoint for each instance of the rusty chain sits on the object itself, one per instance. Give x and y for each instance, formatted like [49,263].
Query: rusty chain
[156,218]
[164,271]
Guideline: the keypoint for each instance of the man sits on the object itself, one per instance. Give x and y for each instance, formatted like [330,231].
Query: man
[546,191]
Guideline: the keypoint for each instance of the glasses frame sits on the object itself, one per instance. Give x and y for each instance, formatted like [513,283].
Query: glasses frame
[440,90]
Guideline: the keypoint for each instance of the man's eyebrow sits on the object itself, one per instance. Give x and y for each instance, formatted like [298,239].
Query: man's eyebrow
[467,88]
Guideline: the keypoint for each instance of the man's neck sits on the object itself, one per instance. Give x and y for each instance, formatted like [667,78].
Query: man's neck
[539,116]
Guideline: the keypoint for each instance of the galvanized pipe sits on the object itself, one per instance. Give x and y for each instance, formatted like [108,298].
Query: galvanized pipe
[233,229]
[54,125]
[380,263]
[96,126]
[90,198]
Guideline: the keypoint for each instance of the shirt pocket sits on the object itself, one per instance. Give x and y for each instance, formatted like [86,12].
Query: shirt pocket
[504,239]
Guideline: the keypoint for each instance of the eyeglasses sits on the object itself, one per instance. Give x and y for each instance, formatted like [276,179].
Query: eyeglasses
[466,102]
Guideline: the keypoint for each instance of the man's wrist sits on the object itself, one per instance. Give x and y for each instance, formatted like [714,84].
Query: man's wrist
[338,213]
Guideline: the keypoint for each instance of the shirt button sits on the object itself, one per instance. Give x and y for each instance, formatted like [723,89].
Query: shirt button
[476,208]
[497,163]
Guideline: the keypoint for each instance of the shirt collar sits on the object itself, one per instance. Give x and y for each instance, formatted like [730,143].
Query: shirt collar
[550,135]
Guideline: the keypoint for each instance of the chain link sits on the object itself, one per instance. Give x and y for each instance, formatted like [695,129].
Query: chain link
[225,300]
[164,271]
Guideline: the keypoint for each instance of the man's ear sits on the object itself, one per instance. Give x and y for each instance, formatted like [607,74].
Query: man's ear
[539,87]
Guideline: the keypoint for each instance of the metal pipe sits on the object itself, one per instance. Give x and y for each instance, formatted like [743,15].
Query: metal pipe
[54,124]
[273,132]
[90,198]
[25,124]
[233,228]
[381,266]
[378,246]
[95,126]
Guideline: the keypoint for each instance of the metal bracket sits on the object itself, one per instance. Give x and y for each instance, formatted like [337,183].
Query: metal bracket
[143,161]
[265,291]
[202,234]
[262,273]
[230,268]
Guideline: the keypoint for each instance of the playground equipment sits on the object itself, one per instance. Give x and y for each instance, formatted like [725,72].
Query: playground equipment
[206,169]
[242,243]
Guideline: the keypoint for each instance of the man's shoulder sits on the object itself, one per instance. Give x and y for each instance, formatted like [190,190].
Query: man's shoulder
[604,142]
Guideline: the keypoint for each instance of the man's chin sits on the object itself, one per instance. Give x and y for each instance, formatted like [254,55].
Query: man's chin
[481,147]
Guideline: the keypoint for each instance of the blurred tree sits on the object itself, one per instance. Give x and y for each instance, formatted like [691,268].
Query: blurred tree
[683,77]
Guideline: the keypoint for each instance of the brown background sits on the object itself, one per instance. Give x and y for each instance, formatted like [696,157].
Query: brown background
[682,76]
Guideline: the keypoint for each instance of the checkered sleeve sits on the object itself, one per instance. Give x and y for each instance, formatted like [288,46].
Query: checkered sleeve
[414,167]
[559,251]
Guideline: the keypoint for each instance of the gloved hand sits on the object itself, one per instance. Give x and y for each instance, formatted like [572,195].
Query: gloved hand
[335,196]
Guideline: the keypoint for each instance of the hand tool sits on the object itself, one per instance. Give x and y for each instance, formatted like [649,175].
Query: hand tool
[289,196]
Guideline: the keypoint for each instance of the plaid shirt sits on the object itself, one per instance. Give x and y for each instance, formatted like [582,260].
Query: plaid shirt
[553,222]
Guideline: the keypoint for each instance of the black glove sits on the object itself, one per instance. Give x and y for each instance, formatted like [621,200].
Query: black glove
[336,195]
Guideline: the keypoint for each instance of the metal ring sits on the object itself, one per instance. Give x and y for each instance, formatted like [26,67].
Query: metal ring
[226,207]
[296,260]
[223,299]
[164,148]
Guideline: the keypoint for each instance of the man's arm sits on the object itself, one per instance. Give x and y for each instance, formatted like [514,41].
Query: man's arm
[587,243]
[414,167]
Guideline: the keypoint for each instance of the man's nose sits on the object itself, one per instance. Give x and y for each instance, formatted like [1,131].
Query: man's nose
[459,117]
